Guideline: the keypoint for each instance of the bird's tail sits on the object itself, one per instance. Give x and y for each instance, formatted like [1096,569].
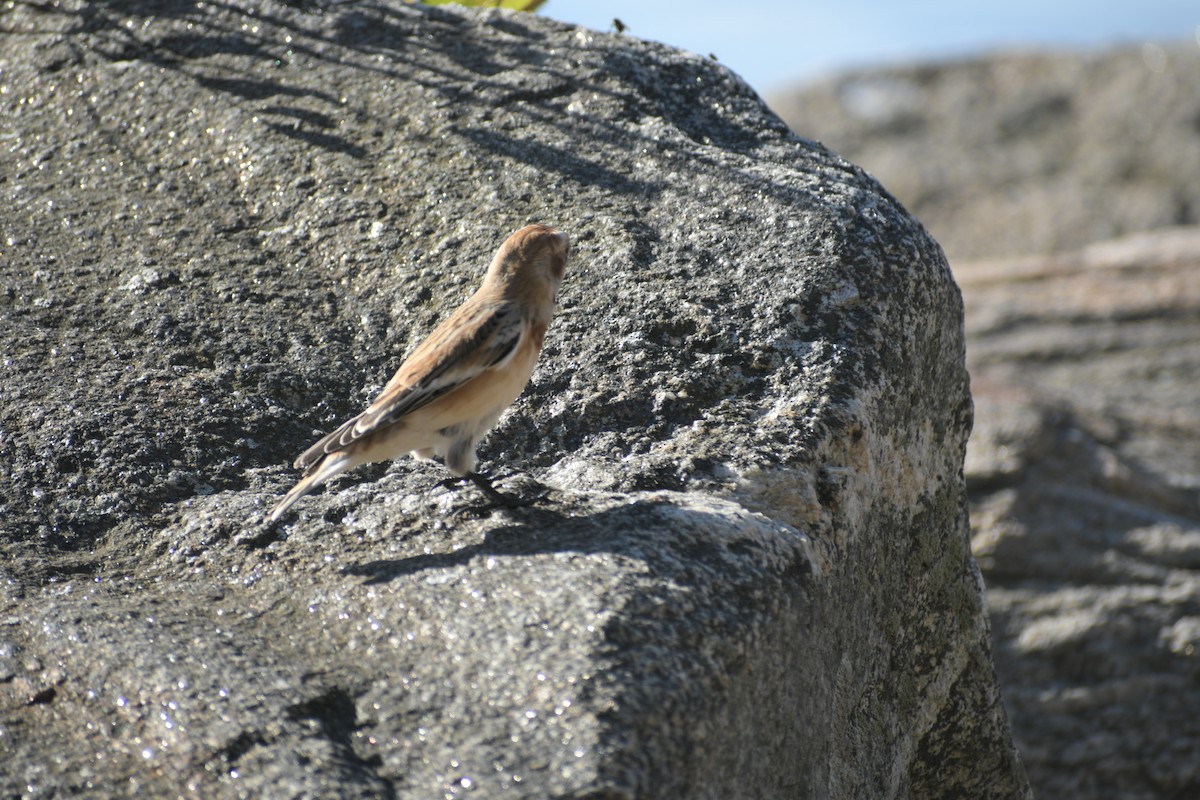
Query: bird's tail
[333,464]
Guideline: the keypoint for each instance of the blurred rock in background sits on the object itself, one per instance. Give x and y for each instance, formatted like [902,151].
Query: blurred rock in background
[1066,192]
[1022,154]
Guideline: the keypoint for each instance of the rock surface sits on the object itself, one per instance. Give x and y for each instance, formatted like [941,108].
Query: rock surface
[1084,466]
[1085,478]
[749,574]
[1026,153]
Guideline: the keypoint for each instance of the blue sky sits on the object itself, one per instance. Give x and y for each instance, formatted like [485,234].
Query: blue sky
[772,43]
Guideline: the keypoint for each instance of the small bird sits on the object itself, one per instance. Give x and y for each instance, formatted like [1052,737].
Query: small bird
[458,382]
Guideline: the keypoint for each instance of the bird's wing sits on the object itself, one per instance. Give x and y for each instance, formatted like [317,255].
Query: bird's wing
[475,338]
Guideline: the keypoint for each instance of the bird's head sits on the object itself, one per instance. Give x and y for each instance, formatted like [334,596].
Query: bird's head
[531,263]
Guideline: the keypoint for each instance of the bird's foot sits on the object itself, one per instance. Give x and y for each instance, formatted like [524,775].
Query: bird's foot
[498,498]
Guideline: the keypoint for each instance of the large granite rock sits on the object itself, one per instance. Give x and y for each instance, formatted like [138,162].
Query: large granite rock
[1024,153]
[749,574]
